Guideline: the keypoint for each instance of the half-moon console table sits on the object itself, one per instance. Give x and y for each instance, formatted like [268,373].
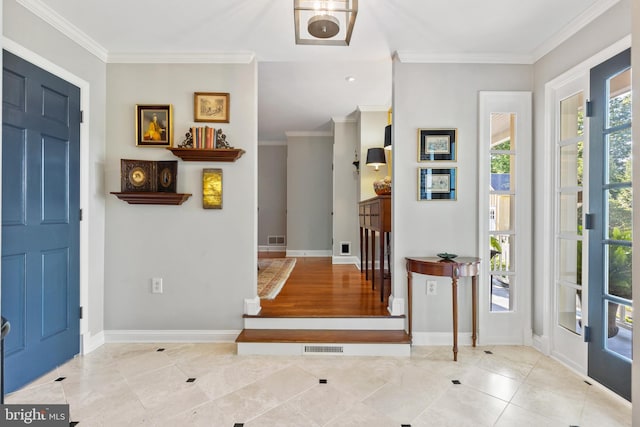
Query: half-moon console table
[454,268]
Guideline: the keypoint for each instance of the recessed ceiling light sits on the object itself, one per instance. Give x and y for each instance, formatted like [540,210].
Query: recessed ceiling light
[350,79]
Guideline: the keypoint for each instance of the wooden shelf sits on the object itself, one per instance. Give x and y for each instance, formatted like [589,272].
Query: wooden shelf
[152,198]
[208,155]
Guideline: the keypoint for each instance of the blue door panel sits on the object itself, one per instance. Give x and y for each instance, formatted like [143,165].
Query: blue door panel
[40,232]
[14,213]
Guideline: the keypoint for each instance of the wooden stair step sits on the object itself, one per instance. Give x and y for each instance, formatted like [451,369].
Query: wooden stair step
[323,336]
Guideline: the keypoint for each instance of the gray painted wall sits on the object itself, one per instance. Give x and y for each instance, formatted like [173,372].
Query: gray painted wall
[345,188]
[272,192]
[207,258]
[309,192]
[49,44]
[434,96]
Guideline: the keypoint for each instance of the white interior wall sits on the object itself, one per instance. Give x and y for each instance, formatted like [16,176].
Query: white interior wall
[372,121]
[206,257]
[439,96]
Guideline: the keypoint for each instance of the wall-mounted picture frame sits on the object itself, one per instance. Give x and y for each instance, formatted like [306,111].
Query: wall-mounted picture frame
[437,144]
[212,188]
[437,183]
[154,125]
[211,107]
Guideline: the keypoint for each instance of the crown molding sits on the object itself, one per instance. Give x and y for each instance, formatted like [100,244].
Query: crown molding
[573,27]
[309,134]
[58,22]
[181,58]
[272,143]
[373,108]
[344,119]
[409,57]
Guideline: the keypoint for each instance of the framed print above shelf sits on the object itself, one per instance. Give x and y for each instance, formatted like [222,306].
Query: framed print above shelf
[437,183]
[437,144]
[154,125]
[211,107]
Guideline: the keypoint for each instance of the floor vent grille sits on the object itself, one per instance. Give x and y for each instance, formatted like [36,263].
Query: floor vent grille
[333,349]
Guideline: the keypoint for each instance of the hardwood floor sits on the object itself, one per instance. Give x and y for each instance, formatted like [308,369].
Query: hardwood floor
[317,288]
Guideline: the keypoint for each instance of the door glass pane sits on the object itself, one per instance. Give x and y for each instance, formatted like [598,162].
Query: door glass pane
[572,117]
[571,165]
[619,271]
[571,212]
[501,292]
[502,167]
[501,131]
[570,261]
[502,257]
[619,328]
[500,212]
[570,308]
[619,154]
[619,88]
[619,213]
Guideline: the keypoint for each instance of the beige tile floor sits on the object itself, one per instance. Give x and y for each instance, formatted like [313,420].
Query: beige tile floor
[136,385]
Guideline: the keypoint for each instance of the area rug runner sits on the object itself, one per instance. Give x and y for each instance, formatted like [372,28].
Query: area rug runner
[272,274]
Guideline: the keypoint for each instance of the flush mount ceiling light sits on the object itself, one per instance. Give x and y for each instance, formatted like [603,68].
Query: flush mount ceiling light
[324,22]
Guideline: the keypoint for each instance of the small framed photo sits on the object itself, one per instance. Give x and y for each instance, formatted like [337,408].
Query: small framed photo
[437,184]
[154,125]
[212,188]
[211,107]
[437,144]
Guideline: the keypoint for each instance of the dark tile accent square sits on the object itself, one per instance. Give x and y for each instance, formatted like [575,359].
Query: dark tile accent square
[587,382]
[323,381]
[488,352]
[191,380]
[456,382]
[405,425]
[60,378]
[238,425]
[73,423]
[160,349]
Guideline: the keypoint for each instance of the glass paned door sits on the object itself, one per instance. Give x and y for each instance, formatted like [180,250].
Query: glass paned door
[610,206]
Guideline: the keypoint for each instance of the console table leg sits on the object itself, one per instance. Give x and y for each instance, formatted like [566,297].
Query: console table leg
[474,309]
[454,296]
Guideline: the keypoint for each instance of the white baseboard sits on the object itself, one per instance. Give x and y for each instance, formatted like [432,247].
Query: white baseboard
[309,253]
[92,342]
[541,343]
[272,248]
[396,306]
[342,259]
[252,306]
[139,336]
[440,338]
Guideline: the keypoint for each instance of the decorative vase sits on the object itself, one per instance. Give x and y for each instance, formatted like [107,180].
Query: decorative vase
[382,187]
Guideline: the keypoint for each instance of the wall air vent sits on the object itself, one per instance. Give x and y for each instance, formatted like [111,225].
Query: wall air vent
[326,349]
[275,240]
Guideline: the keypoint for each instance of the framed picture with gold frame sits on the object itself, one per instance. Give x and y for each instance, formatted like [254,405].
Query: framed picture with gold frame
[211,107]
[212,188]
[154,125]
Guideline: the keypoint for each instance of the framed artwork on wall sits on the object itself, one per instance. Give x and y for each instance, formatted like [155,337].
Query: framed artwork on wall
[212,188]
[437,183]
[211,107]
[154,125]
[437,144]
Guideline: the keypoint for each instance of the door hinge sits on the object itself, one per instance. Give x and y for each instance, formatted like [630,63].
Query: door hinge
[589,221]
[81,116]
[588,106]
[81,312]
[587,334]
[80,215]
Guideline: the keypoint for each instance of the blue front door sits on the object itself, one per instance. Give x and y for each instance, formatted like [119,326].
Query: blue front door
[40,220]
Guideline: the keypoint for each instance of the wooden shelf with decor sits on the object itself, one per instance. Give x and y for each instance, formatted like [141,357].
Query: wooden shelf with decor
[208,154]
[151,197]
